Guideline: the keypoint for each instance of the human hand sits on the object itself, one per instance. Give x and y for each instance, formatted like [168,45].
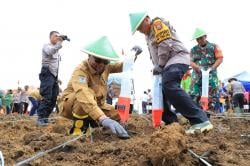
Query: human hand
[115,127]
[157,70]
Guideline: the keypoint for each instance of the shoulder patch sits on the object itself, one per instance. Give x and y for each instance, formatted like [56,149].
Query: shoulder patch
[161,31]
[82,80]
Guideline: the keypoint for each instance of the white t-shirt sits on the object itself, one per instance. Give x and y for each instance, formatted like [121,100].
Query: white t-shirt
[145,97]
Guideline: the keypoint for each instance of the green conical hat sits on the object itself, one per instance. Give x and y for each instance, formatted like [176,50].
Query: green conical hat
[101,48]
[198,33]
[136,20]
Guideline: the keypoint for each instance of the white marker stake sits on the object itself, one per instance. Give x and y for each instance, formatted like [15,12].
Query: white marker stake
[205,89]
[1,159]
[157,103]
[123,104]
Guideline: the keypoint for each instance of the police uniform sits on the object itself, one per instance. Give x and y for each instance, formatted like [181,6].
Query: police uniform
[49,88]
[170,54]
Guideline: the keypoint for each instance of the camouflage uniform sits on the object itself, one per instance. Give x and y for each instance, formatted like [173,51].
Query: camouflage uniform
[205,57]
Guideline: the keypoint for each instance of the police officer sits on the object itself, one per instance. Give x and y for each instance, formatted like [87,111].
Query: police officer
[172,60]
[204,56]
[84,99]
[49,73]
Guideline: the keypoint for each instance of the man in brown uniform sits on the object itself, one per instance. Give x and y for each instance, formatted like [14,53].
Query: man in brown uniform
[84,98]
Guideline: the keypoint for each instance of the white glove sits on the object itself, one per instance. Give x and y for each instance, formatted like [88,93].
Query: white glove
[115,127]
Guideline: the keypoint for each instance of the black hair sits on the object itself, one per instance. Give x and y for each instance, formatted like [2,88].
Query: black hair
[232,79]
[26,87]
[52,32]
[145,92]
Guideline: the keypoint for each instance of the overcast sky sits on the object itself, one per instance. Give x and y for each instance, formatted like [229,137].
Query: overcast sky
[25,26]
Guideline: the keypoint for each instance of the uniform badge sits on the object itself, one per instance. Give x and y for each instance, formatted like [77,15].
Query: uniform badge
[158,25]
[82,80]
[161,31]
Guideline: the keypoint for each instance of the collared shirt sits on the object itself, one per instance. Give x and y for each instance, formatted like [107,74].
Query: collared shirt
[236,87]
[90,88]
[24,97]
[51,57]
[144,98]
[169,51]
[16,97]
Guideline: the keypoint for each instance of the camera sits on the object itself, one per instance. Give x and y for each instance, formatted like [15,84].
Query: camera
[65,37]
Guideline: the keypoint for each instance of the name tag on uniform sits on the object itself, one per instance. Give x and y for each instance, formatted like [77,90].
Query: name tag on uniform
[162,31]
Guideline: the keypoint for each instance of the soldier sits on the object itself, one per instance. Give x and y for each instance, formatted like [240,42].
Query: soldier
[205,56]
[84,99]
[171,59]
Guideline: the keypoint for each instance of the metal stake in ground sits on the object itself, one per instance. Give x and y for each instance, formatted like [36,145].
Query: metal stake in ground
[1,159]
[199,157]
[245,136]
[40,154]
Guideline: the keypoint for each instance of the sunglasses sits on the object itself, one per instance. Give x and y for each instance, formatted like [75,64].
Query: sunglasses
[98,61]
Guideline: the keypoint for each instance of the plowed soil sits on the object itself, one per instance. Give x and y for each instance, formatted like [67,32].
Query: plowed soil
[147,146]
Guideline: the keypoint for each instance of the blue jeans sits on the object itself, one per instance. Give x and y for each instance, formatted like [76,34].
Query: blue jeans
[174,95]
[49,90]
[34,105]
[8,109]
[144,107]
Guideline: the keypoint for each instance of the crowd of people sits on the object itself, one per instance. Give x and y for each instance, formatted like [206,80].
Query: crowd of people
[233,97]
[16,101]
[147,102]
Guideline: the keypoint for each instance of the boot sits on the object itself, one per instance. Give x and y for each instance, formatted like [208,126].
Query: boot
[78,126]
[241,110]
[238,111]
[81,125]
[200,128]
[40,122]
